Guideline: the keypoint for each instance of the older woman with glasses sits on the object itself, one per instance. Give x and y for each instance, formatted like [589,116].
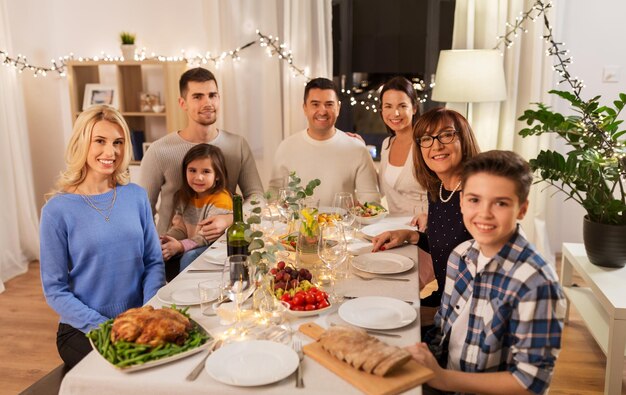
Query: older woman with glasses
[445,142]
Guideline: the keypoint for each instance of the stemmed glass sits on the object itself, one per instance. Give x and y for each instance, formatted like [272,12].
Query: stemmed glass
[287,197]
[237,278]
[345,208]
[288,206]
[332,250]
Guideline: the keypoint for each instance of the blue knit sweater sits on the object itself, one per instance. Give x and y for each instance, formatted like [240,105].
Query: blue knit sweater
[93,270]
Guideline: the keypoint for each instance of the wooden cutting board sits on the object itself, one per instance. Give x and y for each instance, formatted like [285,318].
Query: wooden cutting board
[410,375]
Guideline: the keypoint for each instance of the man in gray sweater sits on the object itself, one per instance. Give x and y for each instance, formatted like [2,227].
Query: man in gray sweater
[161,166]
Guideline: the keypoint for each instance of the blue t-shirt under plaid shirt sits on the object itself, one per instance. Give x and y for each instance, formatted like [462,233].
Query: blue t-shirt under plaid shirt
[516,312]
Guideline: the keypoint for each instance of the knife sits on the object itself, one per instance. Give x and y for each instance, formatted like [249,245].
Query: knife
[196,371]
[374,332]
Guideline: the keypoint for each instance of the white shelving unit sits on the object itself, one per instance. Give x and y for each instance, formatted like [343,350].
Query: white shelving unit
[602,306]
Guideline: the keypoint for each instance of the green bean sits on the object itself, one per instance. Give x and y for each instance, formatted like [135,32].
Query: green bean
[123,353]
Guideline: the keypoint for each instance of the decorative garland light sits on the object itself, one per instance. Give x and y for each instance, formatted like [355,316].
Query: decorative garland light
[372,103]
[59,65]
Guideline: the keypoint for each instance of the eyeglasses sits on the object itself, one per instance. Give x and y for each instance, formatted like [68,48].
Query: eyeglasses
[444,138]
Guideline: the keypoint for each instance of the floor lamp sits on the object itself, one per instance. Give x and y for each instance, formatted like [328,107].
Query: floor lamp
[469,76]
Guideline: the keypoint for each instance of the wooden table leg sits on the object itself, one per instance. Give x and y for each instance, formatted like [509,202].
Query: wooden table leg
[566,281]
[615,357]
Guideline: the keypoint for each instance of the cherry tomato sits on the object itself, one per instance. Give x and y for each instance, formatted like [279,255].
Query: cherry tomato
[297,308]
[298,300]
[313,290]
[310,307]
[322,304]
[286,297]
[319,297]
[310,299]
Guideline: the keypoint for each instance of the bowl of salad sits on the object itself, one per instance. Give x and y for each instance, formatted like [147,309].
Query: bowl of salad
[368,213]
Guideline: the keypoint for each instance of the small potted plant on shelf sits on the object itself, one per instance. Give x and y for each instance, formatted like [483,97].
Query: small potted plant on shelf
[128,45]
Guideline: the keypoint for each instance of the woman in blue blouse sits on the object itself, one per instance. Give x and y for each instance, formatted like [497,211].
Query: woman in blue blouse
[445,141]
[100,253]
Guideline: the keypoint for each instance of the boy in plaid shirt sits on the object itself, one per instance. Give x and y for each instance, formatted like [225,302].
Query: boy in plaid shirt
[498,330]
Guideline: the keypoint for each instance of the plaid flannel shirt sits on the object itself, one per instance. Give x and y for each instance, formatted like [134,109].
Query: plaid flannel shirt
[516,312]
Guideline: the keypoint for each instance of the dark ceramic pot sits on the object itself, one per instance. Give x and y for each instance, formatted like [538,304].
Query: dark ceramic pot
[605,244]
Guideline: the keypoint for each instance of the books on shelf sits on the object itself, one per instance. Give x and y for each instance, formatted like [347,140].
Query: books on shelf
[137,139]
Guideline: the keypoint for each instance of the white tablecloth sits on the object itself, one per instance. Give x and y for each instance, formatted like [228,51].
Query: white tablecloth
[94,375]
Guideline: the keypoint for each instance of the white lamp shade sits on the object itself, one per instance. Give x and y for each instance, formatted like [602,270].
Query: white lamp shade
[469,76]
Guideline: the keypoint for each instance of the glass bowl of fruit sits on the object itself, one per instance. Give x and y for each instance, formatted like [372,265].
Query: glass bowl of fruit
[368,213]
[295,287]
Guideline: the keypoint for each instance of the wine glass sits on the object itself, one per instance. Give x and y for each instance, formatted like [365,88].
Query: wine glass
[236,280]
[287,197]
[345,207]
[332,249]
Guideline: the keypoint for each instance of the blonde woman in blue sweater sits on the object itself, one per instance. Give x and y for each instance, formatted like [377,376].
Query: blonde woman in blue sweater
[100,252]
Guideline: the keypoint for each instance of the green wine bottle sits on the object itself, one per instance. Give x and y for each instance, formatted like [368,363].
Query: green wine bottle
[235,234]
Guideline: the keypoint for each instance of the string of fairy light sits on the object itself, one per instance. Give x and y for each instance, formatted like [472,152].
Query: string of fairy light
[274,47]
[58,66]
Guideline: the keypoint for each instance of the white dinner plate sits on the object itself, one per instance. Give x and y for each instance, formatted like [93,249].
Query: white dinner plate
[180,293]
[382,263]
[377,312]
[252,363]
[380,227]
[215,256]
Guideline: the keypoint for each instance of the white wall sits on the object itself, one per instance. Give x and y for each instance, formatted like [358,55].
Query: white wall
[591,30]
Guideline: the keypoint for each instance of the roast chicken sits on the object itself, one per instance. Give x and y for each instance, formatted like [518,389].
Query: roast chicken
[145,325]
[363,351]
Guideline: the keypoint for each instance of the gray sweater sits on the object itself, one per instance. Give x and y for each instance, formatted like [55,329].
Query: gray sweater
[161,171]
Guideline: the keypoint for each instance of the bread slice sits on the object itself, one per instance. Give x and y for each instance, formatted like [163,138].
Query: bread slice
[392,362]
[377,357]
[358,358]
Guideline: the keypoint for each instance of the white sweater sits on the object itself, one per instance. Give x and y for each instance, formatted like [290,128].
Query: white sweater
[342,163]
[406,193]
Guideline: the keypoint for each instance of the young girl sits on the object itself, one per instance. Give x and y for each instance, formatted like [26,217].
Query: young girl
[203,195]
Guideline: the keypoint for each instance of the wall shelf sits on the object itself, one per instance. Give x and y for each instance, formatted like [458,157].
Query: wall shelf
[131,78]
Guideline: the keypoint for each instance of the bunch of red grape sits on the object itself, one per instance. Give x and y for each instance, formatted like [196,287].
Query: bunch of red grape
[288,278]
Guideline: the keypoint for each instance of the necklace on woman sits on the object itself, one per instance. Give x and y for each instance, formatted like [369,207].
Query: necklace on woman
[451,193]
[91,203]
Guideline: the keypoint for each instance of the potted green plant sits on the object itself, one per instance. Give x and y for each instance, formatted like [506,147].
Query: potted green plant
[128,45]
[592,173]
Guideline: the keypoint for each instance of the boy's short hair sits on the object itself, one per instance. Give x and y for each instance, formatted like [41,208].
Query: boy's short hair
[319,83]
[197,74]
[505,164]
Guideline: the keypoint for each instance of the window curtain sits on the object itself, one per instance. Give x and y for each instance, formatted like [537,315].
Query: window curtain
[19,226]
[261,99]
[529,77]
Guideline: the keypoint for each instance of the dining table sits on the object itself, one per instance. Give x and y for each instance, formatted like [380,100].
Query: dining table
[94,375]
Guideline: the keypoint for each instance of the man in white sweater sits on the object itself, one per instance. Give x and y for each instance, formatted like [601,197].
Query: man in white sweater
[342,163]
[161,167]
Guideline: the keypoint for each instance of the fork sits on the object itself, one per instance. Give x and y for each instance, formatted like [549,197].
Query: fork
[368,278]
[297,347]
[196,371]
